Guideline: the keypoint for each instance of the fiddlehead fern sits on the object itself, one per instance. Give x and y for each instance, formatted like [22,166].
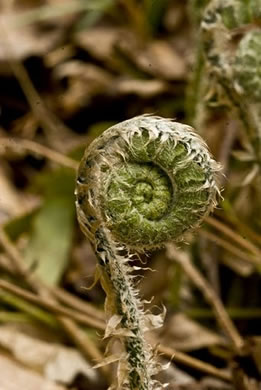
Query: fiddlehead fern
[231,38]
[248,66]
[143,182]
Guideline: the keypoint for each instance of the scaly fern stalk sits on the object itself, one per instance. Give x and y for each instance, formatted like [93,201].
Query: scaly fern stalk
[142,183]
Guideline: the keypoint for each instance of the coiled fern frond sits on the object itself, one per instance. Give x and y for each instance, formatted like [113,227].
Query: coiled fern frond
[142,183]
[147,180]
[231,37]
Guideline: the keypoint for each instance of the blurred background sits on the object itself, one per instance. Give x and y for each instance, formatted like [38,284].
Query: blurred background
[69,69]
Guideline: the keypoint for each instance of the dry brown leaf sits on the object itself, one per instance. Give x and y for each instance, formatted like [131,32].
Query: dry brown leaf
[161,60]
[84,81]
[174,16]
[99,41]
[174,375]
[15,377]
[184,334]
[54,361]
[13,203]
[10,202]
[143,88]
[157,58]
[214,384]
[20,43]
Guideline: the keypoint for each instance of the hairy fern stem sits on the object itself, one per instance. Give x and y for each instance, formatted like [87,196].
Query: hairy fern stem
[140,184]
[116,272]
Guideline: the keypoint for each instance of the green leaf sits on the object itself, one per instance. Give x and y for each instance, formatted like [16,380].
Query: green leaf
[52,228]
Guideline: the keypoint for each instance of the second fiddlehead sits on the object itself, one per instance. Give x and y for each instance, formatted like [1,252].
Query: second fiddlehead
[231,38]
[142,183]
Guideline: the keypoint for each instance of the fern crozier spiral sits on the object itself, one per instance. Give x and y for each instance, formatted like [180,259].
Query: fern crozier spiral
[148,180]
[141,183]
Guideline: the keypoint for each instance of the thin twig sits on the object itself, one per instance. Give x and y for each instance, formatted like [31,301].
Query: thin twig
[194,363]
[234,235]
[49,122]
[51,306]
[35,312]
[71,300]
[81,339]
[197,278]
[169,352]
[248,313]
[248,257]
[18,265]
[97,323]
[246,230]
[31,146]
[62,295]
